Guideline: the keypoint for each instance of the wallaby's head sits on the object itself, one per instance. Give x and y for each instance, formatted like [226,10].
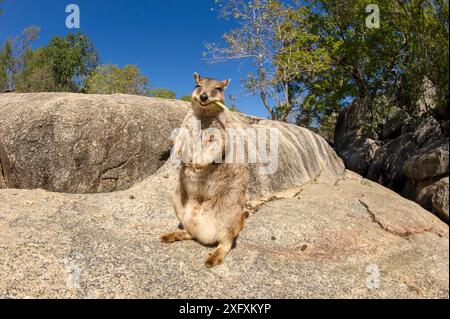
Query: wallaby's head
[208,91]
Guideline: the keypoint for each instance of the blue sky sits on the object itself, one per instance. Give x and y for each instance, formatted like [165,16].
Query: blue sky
[165,38]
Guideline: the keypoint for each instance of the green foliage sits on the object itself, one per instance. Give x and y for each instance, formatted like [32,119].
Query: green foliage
[380,67]
[3,79]
[311,58]
[5,63]
[69,64]
[186,98]
[109,78]
[427,45]
[162,93]
[14,55]
[232,104]
[40,80]
[67,61]
[276,38]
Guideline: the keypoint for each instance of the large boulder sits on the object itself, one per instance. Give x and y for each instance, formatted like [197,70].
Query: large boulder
[99,143]
[426,130]
[84,143]
[387,165]
[350,124]
[428,162]
[314,231]
[440,199]
[434,197]
[352,142]
[313,157]
[331,238]
[393,126]
[409,155]
[358,154]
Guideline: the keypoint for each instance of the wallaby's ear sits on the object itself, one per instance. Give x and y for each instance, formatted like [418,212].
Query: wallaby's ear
[226,83]
[197,78]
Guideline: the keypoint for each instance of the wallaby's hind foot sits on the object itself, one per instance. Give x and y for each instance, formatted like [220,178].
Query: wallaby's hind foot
[175,236]
[217,256]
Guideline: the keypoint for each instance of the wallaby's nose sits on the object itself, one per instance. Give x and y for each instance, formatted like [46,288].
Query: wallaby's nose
[203,97]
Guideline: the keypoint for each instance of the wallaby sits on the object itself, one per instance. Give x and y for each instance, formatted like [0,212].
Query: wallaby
[210,195]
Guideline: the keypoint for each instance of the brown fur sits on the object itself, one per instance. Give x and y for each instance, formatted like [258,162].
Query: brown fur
[210,197]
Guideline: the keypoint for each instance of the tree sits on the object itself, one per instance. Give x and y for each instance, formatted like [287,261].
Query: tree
[163,93]
[232,106]
[275,38]
[15,53]
[426,58]
[3,78]
[312,58]
[379,68]
[3,69]
[41,79]
[69,61]
[8,65]
[109,78]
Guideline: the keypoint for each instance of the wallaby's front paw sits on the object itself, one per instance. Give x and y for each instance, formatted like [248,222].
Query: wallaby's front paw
[213,260]
[199,165]
[168,238]
[175,236]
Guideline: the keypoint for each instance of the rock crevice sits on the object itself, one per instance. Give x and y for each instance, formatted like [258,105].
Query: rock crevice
[374,218]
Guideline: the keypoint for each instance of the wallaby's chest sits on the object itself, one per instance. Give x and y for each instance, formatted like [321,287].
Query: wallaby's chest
[202,181]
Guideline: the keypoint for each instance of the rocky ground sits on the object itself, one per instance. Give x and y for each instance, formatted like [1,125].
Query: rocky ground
[315,231]
[330,238]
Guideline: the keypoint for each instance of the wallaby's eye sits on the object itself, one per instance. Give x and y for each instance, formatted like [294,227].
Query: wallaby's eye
[198,86]
[219,89]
